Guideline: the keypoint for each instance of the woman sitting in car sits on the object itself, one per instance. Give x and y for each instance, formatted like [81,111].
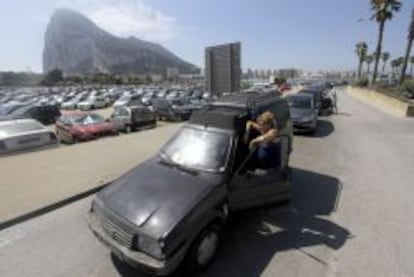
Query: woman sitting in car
[267,154]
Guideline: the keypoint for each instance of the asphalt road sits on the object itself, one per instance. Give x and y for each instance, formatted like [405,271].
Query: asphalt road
[351,214]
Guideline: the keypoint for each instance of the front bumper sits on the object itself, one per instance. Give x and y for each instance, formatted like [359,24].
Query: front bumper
[134,258]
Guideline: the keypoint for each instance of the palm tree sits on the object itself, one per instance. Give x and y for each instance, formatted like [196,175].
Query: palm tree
[383,11]
[410,39]
[369,59]
[412,64]
[361,49]
[394,64]
[385,57]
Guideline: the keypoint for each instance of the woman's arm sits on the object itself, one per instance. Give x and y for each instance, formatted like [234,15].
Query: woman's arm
[270,136]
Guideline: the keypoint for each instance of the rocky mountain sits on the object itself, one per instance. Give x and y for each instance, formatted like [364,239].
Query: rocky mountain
[74,44]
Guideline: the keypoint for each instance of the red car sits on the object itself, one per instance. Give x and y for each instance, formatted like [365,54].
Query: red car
[75,127]
[284,87]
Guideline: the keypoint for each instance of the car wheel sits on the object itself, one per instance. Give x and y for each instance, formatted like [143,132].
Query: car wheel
[128,129]
[75,140]
[204,248]
[92,107]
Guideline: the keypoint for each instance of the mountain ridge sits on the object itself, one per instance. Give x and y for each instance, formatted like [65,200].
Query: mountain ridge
[76,45]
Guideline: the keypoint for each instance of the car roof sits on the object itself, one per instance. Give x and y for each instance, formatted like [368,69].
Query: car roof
[246,100]
[218,117]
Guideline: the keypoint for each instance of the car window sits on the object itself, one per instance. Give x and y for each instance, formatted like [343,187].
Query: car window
[123,112]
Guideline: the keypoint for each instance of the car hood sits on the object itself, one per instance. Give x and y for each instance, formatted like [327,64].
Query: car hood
[298,113]
[154,195]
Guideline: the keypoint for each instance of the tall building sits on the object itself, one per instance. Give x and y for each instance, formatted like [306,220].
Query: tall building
[223,68]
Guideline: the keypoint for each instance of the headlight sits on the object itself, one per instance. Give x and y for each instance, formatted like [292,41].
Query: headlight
[150,246]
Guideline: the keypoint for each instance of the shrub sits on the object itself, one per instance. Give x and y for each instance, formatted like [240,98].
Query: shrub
[408,86]
[363,82]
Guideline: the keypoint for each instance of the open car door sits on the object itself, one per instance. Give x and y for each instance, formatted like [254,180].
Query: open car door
[261,186]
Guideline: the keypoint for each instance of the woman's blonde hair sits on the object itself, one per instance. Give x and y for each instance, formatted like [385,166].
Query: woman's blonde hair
[267,118]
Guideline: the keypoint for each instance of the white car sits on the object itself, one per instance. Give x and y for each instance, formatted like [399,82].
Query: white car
[23,134]
[93,103]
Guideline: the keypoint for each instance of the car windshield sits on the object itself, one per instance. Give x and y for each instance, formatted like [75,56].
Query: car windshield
[198,149]
[88,119]
[14,128]
[297,102]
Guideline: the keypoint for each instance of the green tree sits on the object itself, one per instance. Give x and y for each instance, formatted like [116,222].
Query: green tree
[383,10]
[410,39]
[53,77]
[385,57]
[369,59]
[361,49]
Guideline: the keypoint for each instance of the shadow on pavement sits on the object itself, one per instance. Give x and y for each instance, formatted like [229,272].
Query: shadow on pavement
[254,238]
[324,129]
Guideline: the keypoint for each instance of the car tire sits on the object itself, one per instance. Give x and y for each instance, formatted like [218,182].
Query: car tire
[128,129]
[204,248]
[75,140]
[92,107]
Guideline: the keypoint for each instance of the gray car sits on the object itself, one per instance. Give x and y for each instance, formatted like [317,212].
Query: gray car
[130,119]
[303,112]
[174,206]
[24,134]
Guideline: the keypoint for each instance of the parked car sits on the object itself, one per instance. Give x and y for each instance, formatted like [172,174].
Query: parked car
[316,93]
[129,119]
[46,114]
[6,109]
[128,100]
[76,127]
[177,109]
[174,206]
[72,104]
[303,112]
[24,134]
[95,102]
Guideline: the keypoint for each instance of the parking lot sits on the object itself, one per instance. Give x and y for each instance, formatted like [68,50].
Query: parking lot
[349,216]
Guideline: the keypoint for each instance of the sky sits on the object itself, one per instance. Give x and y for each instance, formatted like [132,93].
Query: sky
[309,35]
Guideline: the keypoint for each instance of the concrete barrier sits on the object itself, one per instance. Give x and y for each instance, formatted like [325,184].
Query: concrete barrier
[386,103]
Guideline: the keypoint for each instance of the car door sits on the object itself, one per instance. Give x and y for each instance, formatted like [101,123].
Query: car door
[257,188]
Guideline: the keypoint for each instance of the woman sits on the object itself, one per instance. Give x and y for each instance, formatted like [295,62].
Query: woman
[267,154]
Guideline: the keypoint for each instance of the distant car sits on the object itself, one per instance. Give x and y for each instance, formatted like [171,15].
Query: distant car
[317,96]
[76,127]
[46,114]
[172,109]
[72,104]
[129,119]
[24,134]
[6,109]
[303,112]
[128,100]
[148,97]
[284,87]
[91,103]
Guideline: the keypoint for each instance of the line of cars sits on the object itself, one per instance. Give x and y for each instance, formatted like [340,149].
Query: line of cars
[308,104]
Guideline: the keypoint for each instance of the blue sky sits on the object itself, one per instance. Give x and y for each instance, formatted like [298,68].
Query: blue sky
[311,35]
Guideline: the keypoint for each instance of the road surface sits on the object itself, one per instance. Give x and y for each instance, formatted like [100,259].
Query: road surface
[351,214]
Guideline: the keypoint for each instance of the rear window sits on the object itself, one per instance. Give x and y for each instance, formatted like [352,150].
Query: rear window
[14,128]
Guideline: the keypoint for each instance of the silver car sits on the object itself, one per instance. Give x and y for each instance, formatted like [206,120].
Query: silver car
[23,134]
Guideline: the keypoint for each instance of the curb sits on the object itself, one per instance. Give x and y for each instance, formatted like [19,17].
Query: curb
[49,208]
[386,103]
